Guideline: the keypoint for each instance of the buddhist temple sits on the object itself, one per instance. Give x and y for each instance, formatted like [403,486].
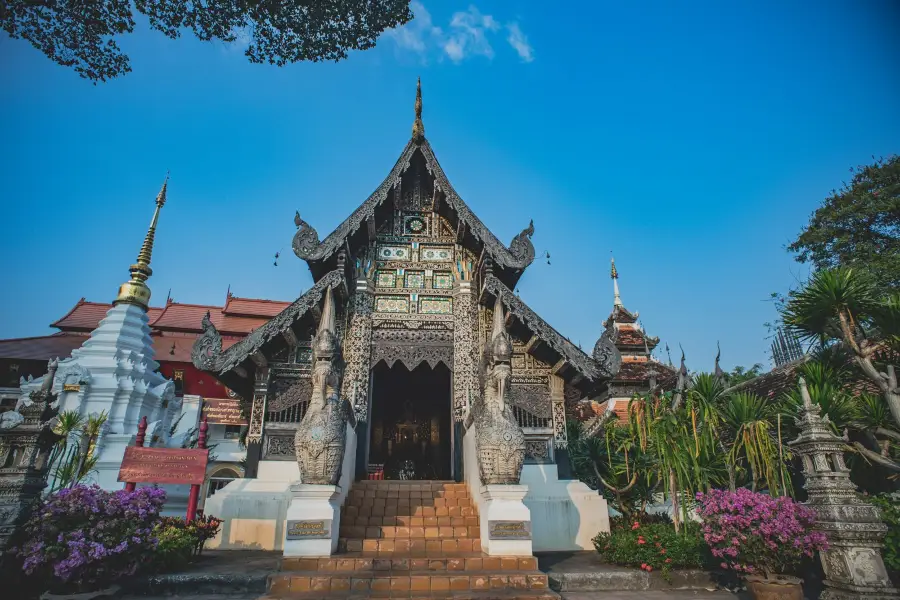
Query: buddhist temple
[412,324]
[640,373]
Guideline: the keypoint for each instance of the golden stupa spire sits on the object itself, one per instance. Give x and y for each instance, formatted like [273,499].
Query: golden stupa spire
[614,275]
[135,290]
[418,128]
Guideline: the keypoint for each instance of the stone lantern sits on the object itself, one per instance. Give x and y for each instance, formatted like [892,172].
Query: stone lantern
[26,439]
[853,565]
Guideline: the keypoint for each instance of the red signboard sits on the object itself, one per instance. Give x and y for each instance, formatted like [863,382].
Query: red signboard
[164,465]
[223,412]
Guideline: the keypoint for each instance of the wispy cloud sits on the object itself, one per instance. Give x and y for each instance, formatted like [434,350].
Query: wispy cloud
[469,33]
[519,42]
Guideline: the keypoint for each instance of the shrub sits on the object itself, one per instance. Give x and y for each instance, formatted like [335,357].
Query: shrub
[653,546]
[180,540]
[754,533]
[890,514]
[85,538]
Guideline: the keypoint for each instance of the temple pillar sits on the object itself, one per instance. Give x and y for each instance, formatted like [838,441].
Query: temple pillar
[465,365]
[358,355]
[257,421]
[560,437]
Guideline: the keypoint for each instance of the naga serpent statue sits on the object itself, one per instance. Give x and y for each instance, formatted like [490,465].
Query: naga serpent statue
[322,434]
[499,439]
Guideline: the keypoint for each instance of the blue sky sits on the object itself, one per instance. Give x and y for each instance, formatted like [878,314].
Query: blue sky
[693,141]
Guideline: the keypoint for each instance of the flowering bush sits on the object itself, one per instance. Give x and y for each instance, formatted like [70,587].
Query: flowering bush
[84,537]
[653,546]
[754,533]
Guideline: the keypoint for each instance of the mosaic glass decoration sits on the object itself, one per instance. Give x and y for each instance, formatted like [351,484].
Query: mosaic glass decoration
[415,279]
[442,281]
[436,306]
[393,253]
[386,279]
[437,254]
[392,304]
[415,226]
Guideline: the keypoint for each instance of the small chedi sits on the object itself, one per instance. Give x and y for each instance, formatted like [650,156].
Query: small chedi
[321,436]
[498,437]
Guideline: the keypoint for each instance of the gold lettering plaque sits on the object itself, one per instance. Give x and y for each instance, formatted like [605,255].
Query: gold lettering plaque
[319,529]
[509,530]
[72,387]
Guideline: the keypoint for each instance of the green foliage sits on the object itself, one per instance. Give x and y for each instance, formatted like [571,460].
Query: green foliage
[858,226]
[180,540]
[741,374]
[653,546]
[890,514]
[83,35]
[72,457]
[757,447]
[831,302]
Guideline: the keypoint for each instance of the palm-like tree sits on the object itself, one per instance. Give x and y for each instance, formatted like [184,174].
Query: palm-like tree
[842,307]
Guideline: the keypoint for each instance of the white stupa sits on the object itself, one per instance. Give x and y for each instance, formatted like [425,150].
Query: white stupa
[114,371]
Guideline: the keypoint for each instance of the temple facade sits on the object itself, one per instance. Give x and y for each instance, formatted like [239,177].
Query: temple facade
[418,294]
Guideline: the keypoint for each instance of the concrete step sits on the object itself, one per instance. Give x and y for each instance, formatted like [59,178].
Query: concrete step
[470,520]
[406,545]
[408,510]
[402,532]
[416,595]
[445,562]
[404,583]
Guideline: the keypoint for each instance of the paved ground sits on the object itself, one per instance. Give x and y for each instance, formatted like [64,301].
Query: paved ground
[657,595]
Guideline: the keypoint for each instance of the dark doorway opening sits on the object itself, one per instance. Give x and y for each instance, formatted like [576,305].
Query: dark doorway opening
[411,415]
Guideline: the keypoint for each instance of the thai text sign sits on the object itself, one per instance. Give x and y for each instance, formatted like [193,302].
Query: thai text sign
[309,530]
[163,465]
[223,412]
[509,530]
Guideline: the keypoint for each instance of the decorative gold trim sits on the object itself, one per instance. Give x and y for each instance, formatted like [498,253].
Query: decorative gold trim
[135,290]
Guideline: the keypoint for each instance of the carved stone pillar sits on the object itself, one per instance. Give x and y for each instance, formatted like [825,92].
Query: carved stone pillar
[560,437]
[853,564]
[25,442]
[465,364]
[357,350]
[257,420]
[358,355]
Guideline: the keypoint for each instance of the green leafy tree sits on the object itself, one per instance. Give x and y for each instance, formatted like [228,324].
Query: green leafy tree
[858,226]
[741,374]
[843,307]
[82,33]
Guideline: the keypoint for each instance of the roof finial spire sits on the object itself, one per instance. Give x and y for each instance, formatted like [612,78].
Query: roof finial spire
[614,275]
[135,290]
[418,128]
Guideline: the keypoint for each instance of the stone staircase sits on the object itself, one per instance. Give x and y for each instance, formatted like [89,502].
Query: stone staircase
[410,539]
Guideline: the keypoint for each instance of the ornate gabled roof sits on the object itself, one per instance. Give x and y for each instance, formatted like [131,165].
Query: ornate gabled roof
[207,353]
[516,257]
[584,364]
[620,314]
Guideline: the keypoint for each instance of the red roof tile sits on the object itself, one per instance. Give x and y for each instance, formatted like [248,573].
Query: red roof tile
[86,316]
[254,307]
[59,345]
[185,317]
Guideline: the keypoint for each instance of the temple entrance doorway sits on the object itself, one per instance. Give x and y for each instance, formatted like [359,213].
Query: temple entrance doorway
[411,417]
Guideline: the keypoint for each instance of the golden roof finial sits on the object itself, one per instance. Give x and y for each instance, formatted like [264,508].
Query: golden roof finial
[418,128]
[614,275]
[135,290]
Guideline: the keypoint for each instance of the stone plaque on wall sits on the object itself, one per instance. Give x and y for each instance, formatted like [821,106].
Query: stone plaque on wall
[509,530]
[319,529]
